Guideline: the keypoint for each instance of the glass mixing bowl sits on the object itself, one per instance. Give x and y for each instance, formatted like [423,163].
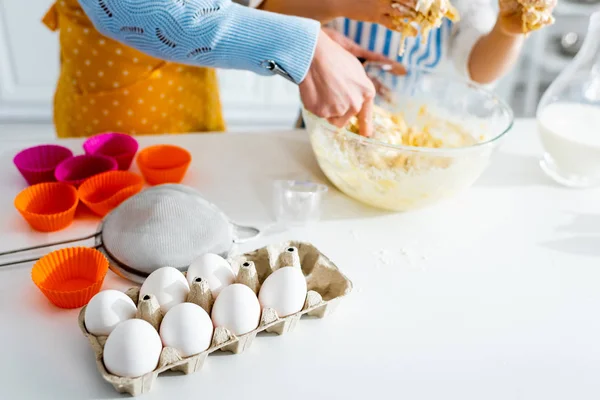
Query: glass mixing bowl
[399,177]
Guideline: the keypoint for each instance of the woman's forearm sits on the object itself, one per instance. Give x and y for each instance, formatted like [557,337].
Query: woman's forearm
[494,54]
[210,33]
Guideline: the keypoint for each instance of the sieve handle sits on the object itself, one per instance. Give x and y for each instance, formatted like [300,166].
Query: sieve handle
[41,246]
[248,233]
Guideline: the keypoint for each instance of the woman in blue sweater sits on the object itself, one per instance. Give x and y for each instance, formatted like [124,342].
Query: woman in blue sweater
[222,34]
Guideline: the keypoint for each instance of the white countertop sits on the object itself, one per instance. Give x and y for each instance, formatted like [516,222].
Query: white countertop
[491,295]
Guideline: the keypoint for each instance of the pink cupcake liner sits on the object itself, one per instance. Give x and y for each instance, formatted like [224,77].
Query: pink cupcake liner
[76,170]
[37,164]
[120,146]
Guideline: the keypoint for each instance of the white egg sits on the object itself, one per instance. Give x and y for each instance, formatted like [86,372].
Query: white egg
[187,328]
[106,310]
[236,309]
[214,269]
[284,291]
[168,285]
[132,349]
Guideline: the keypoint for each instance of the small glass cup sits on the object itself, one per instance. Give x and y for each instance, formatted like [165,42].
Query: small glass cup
[298,203]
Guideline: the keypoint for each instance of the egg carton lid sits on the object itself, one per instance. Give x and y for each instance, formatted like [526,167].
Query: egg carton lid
[326,284]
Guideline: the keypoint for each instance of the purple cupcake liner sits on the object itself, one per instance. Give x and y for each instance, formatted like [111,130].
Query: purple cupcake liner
[120,146]
[76,170]
[37,164]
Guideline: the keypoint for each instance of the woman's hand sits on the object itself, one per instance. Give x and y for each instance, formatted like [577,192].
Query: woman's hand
[337,87]
[510,18]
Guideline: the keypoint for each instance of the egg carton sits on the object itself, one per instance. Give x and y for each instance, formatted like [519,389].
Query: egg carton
[326,287]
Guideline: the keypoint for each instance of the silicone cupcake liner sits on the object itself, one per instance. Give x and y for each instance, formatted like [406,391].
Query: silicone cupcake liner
[37,164]
[48,207]
[120,146]
[157,177]
[77,169]
[164,164]
[103,192]
[70,277]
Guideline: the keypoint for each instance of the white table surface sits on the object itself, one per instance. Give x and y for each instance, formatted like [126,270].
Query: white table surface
[492,295]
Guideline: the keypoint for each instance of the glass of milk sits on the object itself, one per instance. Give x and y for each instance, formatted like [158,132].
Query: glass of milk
[569,117]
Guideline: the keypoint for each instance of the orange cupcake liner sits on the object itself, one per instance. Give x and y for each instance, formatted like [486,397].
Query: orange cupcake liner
[104,192]
[157,177]
[48,207]
[164,164]
[70,277]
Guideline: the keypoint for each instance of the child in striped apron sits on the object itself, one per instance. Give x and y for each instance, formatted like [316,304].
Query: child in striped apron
[481,46]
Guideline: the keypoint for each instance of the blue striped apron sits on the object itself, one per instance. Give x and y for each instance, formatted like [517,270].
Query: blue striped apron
[381,40]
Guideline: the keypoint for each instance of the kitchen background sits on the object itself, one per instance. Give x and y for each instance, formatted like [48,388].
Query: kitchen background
[29,66]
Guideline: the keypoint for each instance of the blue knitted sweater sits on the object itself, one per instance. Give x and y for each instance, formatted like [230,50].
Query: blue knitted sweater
[210,33]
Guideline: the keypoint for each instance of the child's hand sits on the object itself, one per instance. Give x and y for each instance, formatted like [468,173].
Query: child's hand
[376,11]
[369,56]
[521,16]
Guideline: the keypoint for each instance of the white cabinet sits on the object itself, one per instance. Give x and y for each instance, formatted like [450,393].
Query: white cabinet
[28,61]
[252,102]
[29,57]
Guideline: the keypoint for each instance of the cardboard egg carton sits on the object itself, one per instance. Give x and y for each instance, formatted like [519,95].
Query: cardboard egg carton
[326,287]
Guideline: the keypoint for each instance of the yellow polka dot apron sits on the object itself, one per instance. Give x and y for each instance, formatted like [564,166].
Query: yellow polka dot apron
[107,86]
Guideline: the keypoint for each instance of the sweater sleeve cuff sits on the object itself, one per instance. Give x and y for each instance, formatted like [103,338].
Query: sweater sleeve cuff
[250,3]
[250,37]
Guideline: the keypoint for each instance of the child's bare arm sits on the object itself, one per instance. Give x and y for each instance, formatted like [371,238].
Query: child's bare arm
[494,54]
[376,11]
